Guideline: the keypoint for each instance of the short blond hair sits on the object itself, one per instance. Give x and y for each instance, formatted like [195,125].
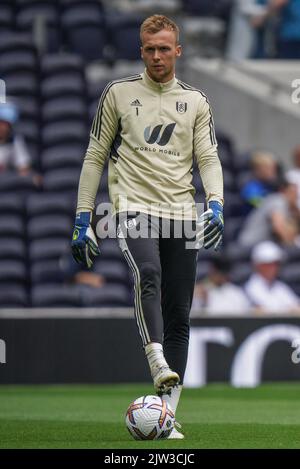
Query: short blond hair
[155,23]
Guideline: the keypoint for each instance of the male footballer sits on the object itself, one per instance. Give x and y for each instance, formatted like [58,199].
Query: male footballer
[151,126]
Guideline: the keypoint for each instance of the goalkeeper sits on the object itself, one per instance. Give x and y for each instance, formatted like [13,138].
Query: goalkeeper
[150,125]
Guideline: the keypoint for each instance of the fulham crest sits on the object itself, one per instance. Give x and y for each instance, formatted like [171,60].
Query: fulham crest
[181,107]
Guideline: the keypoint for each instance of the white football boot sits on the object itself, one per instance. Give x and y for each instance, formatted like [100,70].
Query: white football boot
[164,379]
[175,434]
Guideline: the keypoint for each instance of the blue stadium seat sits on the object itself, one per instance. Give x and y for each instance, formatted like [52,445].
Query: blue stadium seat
[49,248]
[6,18]
[29,108]
[110,295]
[125,37]
[62,85]
[240,272]
[22,84]
[61,63]
[12,249]
[46,271]
[12,225]
[13,271]
[62,156]
[51,295]
[17,42]
[30,130]
[46,226]
[114,271]
[85,31]
[56,133]
[110,250]
[45,203]
[17,62]
[13,296]
[11,204]
[60,109]
[10,181]
[62,180]
[45,12]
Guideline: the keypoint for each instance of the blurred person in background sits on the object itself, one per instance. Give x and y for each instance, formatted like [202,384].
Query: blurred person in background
[266,293]
[217,295]
[14,154]
[276,219]
[278,29]
[242,36]
[293,174]
[263,181]
[78,274]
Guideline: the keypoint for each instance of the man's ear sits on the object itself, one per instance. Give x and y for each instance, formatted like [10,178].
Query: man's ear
[141,52]
[178,51]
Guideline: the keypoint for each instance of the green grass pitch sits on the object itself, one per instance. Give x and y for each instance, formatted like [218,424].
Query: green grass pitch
[216,416]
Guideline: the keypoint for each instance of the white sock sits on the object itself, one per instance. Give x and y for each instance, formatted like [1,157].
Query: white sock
[155,356]
[173,398]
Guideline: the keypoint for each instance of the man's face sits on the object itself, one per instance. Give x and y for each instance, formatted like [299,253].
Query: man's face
[159,52]
[268,271]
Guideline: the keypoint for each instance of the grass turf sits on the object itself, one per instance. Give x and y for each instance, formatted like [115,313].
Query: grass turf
[93,417]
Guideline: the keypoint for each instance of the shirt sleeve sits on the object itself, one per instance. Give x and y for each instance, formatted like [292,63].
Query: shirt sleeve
[102,134]
[206,154]
[21,155]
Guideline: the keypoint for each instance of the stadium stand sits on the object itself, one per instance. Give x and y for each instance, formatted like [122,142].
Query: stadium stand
[46,51]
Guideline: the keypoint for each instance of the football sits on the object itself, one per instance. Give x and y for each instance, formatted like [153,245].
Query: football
[149,418]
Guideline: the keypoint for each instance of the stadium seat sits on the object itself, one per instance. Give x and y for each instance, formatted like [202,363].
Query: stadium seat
[11,204]
[56,133]
[10,181]
[12,225]
[45,203]
[125,37]
[12,271]
[60,109]
[51,295]
[85,31]
[238,253]
[62,156]
[49,248]
[46,226]
[290,273]
[110,295]
[37,14]
[16,42]
[62,180]
[114,271]
[62,85]
[110,250]
[6,18]
[60,63]
[12,249]
[17,62]
[241,272]
[30,130]
[29,108]
[46,271]
[22,84]
[13,296]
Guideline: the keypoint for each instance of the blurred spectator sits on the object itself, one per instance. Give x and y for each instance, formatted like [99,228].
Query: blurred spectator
[267,294]
[293,175]
[77,274]
[278,29]
[263,182]
[242,36]
[14,154]
[277,218]
[217,295]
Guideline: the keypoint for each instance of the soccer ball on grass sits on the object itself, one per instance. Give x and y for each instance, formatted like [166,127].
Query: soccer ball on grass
[149,418]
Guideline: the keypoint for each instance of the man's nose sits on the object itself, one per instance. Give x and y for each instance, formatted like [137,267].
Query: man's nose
[156,55]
